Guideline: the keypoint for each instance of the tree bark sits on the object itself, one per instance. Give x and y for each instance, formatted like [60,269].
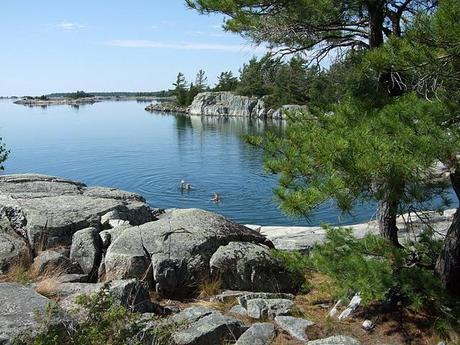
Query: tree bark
[387,213]
[376,20]
[448,265]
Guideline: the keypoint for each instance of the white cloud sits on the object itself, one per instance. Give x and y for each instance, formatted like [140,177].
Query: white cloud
[184,46]
[71,26]
[208,34]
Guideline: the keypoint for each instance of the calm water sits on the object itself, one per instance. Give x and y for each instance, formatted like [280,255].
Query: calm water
[118,144]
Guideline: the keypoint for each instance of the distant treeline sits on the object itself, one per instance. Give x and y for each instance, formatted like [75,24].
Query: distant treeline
[279,81]
[163,93]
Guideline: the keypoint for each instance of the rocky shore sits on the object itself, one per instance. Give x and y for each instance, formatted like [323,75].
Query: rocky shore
[167,108]
[227,104]
[37,102]
[76,238]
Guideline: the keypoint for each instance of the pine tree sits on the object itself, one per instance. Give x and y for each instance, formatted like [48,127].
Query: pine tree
[226,82]
[201,81]
[180,90]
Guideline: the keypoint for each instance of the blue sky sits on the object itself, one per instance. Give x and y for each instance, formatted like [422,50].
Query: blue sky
[117,45]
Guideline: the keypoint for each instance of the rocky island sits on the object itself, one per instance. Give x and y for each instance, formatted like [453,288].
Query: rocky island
[227,104]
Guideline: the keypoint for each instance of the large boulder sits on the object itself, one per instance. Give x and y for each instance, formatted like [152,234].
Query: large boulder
[49,210]
[175,251]
[18,305]
[13,248]
[86,249]
[258,334]
[223,104]
[250,267]
[281,113]
[205,326]
[53,263]
[131,294]
[294,326]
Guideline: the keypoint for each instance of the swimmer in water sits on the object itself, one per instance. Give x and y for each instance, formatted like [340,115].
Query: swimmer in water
[185,186]
[216,198]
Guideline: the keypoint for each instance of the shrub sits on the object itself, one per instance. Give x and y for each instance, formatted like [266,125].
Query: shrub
[381,272]
[102,322]
[377,270]
[297,265]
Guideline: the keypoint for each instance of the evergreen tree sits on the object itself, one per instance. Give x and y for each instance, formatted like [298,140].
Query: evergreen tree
[201,81]
[320,28]
[226,82]
[180,90]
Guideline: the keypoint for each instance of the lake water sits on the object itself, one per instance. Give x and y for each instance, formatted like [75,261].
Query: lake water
[119,144]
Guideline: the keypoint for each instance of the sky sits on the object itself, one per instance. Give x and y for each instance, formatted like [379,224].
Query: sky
[117,45]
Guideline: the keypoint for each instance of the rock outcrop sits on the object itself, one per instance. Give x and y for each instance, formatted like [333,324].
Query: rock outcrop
[175,253]
[13,248]
[18,305]
[227,104]
[47,211]
[130,293]
[167,108]
[86,250]
[206,326]
[222,104]
[249,267]
[258,334]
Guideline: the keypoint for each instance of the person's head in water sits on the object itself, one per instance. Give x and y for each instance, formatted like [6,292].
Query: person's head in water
[185,186]
[216,197]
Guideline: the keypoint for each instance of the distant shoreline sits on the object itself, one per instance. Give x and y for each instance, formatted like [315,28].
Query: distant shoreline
[37,102]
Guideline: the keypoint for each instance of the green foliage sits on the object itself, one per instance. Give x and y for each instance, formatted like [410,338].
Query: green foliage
[376,269]
[180,90]
[364,266]
[357,153]
[103,322]
[184,92]
[163,331]
[80,94]
[226,82]
[297,265]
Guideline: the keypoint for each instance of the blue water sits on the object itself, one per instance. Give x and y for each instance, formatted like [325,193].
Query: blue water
[119,144]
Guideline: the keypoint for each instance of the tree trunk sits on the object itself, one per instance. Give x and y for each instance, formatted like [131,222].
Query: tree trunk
[387,213]
[448,265]
[376,19]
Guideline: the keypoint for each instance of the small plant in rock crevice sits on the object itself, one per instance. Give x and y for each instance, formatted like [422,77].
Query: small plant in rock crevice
[98,319]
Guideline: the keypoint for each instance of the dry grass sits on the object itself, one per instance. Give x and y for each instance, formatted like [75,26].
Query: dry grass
[23,272]
[221,306]
[400,326]
[48,287]
[47,283]
[17,273]
[209,288]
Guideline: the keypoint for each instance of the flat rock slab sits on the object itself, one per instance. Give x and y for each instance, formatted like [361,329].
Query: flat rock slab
[49,210]
[294,326]
[259,308]
[18,305]
[303,239]
[258,334]
[336,340]
[205,326]
[243,296]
